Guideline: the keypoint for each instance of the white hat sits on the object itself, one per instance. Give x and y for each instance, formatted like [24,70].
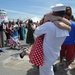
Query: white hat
[58,7]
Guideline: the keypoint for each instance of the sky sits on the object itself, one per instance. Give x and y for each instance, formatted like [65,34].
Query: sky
[24,9]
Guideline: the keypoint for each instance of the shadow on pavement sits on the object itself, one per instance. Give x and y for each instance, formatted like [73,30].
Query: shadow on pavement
[60,70]
[33,71]
[12,48]
[15,55]
[72,72]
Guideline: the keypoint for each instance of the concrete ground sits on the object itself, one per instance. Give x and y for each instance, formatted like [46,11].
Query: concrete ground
[12,64]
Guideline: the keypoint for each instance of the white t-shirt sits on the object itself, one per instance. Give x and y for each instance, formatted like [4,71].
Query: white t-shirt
[52,42]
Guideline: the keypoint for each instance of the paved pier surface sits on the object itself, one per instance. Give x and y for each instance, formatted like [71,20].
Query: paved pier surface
[12,64]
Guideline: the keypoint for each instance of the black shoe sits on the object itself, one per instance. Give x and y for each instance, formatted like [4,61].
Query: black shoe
[22,54]
[54,68]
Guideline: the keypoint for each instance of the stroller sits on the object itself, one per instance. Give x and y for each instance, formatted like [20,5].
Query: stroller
[14,41]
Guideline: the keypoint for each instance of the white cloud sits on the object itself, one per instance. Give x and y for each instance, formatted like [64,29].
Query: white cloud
[18,12]
[35,19]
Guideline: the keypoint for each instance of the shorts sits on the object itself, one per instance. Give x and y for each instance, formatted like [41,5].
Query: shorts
[67,51]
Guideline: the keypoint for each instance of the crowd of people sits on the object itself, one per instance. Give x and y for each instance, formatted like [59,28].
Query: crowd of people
[16,31]
[55,37]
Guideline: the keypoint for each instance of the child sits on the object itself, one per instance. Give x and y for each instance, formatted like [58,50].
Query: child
[13,41]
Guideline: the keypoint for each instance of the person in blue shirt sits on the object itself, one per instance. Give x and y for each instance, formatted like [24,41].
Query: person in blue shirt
[68,47]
